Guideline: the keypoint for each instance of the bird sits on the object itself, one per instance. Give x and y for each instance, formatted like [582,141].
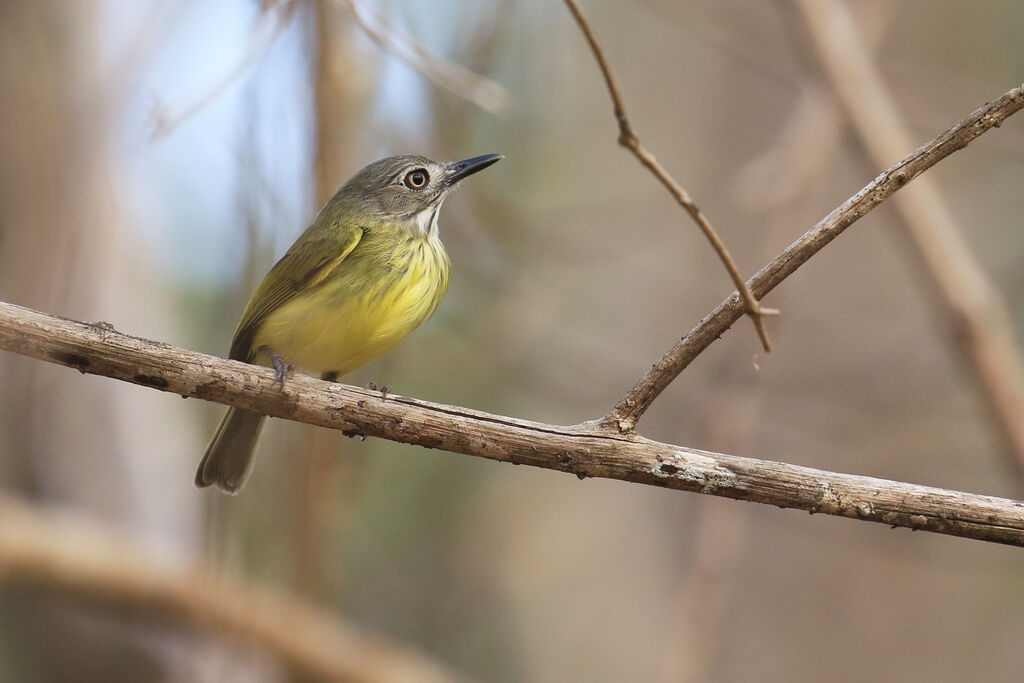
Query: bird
[366,273]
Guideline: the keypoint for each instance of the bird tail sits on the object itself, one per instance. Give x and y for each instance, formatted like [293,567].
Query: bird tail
[228,459]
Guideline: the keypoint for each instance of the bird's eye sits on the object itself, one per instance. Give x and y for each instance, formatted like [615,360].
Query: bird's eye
[417,180]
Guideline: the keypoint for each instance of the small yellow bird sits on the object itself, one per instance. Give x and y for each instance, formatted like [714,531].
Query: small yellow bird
[364,275]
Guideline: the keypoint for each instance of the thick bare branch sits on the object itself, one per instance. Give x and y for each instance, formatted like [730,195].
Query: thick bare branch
[64,553]
[628,139]
[586,450]
[626,413]
[973,310]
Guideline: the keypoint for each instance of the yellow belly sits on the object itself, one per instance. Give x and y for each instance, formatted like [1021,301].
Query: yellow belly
[360,313]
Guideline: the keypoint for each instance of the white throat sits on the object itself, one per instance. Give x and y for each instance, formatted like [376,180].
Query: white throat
[425,222]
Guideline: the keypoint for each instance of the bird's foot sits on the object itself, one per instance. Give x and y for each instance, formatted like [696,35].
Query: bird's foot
[384,390]
[282,369]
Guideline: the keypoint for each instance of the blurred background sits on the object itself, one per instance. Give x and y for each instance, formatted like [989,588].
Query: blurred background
[157,157]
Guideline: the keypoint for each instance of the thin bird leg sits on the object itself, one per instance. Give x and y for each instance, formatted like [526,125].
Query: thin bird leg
[384,390]
[282,369]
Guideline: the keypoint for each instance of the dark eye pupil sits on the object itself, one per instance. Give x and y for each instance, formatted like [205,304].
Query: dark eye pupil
[416,179]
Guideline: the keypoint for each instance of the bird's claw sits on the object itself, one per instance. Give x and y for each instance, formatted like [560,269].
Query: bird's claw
[283,370]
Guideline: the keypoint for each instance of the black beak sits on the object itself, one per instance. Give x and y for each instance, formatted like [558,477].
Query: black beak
[462,169]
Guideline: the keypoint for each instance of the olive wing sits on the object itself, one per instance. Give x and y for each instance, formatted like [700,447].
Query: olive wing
[311,259]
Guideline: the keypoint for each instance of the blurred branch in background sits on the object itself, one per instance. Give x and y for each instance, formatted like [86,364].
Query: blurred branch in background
[273,19]
[770,186]
[718,541]
[440,71]
[628,139]
[812,132]
[67,554]
[322,482]
[586,450]
[974,313]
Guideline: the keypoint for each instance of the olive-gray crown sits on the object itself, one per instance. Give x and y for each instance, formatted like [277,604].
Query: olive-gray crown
[407,185]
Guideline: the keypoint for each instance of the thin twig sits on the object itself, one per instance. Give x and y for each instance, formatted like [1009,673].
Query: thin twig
[628,139]
[278,15]
[474,88]
[635,403]
[453,77]
[976,317]
[585,450]
[65,553]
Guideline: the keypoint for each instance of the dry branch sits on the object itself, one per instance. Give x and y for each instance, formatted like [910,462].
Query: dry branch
[595,449]
[60,552]
[626,413]
[586,450]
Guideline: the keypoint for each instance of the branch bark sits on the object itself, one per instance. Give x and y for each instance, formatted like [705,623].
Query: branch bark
[626,413]
[586,450]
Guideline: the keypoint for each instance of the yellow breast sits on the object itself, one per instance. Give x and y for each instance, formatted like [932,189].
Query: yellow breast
[380,293]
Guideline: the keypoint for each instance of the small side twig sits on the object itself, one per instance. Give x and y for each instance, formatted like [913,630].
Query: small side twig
[629,139]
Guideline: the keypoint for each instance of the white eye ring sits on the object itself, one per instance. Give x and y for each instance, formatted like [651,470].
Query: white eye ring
[417,179]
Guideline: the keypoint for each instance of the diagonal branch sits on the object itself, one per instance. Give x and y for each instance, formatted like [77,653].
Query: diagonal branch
[628,139]
[586,450]
[626,413]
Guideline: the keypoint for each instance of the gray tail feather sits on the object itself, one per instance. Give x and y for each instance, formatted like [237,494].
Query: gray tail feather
[228,459]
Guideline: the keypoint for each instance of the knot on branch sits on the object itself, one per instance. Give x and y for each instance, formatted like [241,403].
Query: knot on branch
[627,138]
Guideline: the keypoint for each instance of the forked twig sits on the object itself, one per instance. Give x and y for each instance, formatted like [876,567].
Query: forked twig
[593,449]
[629,139]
